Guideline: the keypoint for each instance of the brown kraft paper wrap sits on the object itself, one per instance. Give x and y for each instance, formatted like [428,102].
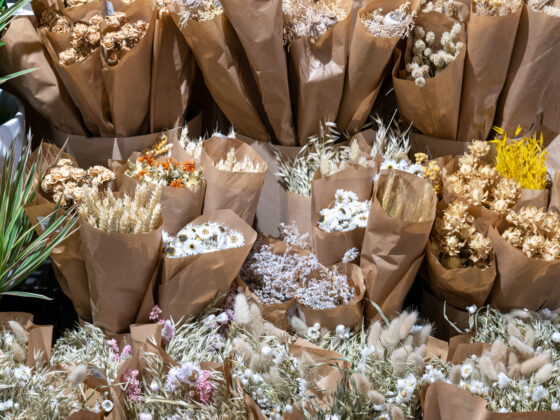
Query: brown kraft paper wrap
[489,49]
[237,191]
[444,401]
[226,72]
[127,81]
[367,62]
[178,205]
[298,210]
[173,72]
[41,88]
[84,83]
[522,282]
[190,283]
[330,247]
[116,289]
[349,314]
[460,287]
[258,24]
[536,198]
[393,248]
[555,193]
[434,108]
[89,151]
[535,55]
[437,310]
[317,69]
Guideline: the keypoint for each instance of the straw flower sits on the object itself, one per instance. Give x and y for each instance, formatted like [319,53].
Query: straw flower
[54,22]
[120,37]
[85,40]
[168,172]
[346,214]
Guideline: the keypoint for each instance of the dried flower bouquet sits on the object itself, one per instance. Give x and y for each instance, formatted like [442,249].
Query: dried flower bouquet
[120,35]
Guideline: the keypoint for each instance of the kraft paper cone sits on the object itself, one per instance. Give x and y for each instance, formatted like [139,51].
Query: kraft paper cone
[442,93]
[41,88]
[522,282]
[126,82]
[368,61]
[39,341]
[23,318]
[555,194]
[190,283]
[460,287]
[237,191]
[489,49]
[178,205]
[393,248]
[90,151]
[116,289]
[173,72]
[536,198]
[535,54]
[437,310]
[298,210]
[445,401]
[227,75]
[317,72]
[349,314]
[330,247]
[259,26]
[84,83]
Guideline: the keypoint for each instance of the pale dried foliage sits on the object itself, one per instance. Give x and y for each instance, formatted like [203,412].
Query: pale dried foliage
[232,164]
[311,18]
[110,213]
[390,141]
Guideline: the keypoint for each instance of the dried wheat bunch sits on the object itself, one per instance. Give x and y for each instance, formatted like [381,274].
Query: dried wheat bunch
[120,37]
[232,164]
[310,18]
[395,23]
[109,213]
[390,141]
[399,200]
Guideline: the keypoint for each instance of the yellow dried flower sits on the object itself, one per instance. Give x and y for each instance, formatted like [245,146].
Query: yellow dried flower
[522,160]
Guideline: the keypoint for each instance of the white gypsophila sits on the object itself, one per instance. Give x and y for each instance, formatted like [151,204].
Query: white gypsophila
[346,214]
[201,239]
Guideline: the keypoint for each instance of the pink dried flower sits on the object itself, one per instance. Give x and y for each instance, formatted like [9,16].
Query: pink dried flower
[168,331]
[132,385]
[204,387]
[114,348]
[126,352]
[155,313]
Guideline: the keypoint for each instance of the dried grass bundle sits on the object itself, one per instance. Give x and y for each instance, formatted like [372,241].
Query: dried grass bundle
[109,213]
[310,18]
[400,200]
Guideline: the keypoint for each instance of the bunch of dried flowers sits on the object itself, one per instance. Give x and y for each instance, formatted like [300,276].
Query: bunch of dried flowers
[310,18]
[232,164]
[140,214]
[431,169]
[201,239]
[402,165]
[54,22]
[534,231]
[85,40]
[72,3]
[161,147]
[395,23]
[347,213]
[64,181]
[496,7]
[168,172]
[479,183]
[390,141]
[455,240]
[296,174]
[121,36]
[523,160]
[199,10]
[428,62]
[548,7]
[445,7]
[289,233]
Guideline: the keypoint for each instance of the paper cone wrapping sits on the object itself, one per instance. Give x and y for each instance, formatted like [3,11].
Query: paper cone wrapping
[393,248]
[298,210]
[127,81]
[489,49]
[460,287]
[41,88]
[441,95]
[317,73]
[537,198]
[89,151]
[368,60]
[330,247]
[437,310]
[178,205]
[237,191]
[258,24]
[530,72]
[522,282]
[349,314]
[116,289]
[227,75]
[173,72]
[190,283]
[555,194]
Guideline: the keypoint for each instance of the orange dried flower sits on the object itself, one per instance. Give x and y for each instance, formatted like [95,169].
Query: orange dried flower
[177,183]
[148,159]
[189,166]
[141,174]
[165,164]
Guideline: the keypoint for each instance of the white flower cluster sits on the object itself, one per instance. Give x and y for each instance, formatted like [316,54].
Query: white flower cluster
[202,239]
[347,213]
[403,165]
[426,60]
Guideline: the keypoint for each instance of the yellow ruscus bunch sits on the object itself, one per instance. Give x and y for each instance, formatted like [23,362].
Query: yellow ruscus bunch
[522,160]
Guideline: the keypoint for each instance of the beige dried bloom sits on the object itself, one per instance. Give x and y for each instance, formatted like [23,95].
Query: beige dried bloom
[535,232]
[479,183]
[232,164]
[138,214]
[548,7]
[430,56]
[198,10]
[53,21]
[496,7]
[64,181]
[391,24]
[72,3]
[310,18]
[120,37]
[455,241]
[85,40]
[445,7]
